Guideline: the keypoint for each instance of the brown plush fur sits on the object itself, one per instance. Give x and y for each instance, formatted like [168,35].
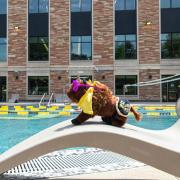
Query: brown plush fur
[103,104]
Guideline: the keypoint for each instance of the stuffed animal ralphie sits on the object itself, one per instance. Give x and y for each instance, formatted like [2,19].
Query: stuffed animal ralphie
[97,99]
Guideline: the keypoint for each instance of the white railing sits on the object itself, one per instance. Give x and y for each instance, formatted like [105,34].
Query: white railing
[42,99]
[50,99]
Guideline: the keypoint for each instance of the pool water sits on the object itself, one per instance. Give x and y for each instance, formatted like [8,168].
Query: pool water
[15,131]
[154,123]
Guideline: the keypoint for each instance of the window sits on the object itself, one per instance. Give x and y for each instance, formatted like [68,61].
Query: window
[38,6]
[125,5]
[81,48]
[171,90]
[175,3]
[170,45]
[38,49]
[81,5]
[170,3]
[125,46]
[3,49]
[121,80]
[38,85]
[83,77]
[3,6]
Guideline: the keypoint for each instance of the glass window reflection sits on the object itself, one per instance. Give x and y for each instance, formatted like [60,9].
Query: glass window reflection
[38,6]
[3,6]
[175,3]
[125,4]
[3,49]
[125,47]
[81,48]
[81,5]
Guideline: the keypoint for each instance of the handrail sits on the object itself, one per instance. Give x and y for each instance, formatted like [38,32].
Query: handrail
[50,99]
[41,99]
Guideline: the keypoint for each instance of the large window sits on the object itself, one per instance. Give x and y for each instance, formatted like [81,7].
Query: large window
[171,89]
[125,5]
[170,3]
[38,6]
[81,48]
[3,89]
[170,45]
[81,5]
[3,49]
[38,85]
[38,49]
[125,46]
[121,80]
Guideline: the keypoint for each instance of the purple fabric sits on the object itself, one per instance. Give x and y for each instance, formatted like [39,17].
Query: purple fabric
[76,85]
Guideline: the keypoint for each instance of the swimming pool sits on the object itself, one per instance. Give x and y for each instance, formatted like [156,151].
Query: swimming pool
[16,130]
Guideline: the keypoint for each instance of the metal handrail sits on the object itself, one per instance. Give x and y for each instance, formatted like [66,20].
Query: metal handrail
[50,99]
[42,99]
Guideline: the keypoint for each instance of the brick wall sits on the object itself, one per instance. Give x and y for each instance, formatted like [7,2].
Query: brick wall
[59,33]
[17,16]
[103,32]
[58,81]
[150,93]
[106,77]
[149,45]
[17,86]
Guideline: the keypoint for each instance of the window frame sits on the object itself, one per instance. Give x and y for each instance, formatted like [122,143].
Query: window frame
[171,5]
[125,77]
[125,6]
[125,80]
[125,41]
[4,10]
[28,85]
[171,42]
[38,42]
[38,7]
[81,42]
[80,8]
[6,47]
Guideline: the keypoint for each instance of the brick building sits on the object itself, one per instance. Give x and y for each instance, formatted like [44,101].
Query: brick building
[46,43]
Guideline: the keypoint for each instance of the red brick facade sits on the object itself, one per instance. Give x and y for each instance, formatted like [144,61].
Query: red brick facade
[17,84]
[149,93]
[149,37]
[106,77]
[148,66]
[103,32]
[17,40]
[59,32]
[58,81]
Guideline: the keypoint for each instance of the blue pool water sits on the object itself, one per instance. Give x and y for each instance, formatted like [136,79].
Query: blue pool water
[154,123]
[14,131]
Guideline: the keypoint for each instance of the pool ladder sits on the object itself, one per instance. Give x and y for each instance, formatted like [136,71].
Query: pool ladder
[42,99]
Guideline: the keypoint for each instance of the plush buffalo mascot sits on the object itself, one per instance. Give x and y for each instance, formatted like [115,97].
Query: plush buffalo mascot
[97,99]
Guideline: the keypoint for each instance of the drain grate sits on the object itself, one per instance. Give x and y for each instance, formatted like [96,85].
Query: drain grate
[71,162]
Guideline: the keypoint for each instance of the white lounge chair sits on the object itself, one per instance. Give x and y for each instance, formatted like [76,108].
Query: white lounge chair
[160,148]
[14,98]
